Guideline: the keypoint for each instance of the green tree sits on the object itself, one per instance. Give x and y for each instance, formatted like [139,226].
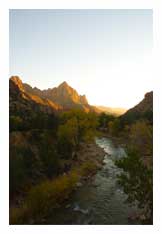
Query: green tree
[87,127]
[23,168]
[114,127]
[68,137]
[137,182]
[104,119]
[16,123]
[47,151]
[141,135]
[50,160]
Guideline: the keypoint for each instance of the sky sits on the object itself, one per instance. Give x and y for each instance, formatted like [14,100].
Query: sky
[104,54]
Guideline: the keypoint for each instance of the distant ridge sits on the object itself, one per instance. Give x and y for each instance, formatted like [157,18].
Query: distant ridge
[117,111]
[63,97]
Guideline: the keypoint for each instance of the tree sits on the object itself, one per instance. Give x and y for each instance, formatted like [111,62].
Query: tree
[68,137]
[114,127]
[23,167]
[87,127]
[137,182]
[141,135]
[50,160]
[16,123]
[104,119]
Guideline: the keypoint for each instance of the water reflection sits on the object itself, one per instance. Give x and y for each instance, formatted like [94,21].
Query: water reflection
[100,201]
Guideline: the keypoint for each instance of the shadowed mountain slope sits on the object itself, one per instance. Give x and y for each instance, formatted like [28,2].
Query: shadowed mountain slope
[20,100]
[143,110]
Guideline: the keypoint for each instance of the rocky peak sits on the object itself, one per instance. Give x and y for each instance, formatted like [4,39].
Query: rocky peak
[146,104]
[83,99]
[63,84]
[64,96]
[149,95]
[64,88]
[18,82]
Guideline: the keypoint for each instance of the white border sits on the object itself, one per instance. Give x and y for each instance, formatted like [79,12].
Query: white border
[81,4]
[4,63]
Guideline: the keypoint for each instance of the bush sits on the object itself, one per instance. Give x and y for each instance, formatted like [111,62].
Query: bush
[137,182]
[114,127]
[23,167]
[50,159]
[18,215]
[43,198]
[67,138]
[141,135]
[104,119]
[48,195]
[87,168]
[16,123]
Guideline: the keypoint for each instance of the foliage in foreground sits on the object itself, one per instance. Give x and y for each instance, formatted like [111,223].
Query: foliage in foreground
[137,182]
[40,151]
[33,158]
[48,195]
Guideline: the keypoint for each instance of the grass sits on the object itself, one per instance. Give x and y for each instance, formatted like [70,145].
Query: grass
[88,168]
[49,194]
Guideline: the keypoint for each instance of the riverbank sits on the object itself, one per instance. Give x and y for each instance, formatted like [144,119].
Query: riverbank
[50,194]
[99,199]
[90,151]
[120,140]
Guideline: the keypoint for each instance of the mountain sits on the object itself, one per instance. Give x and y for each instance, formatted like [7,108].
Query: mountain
[63,95]
[58,98]
[143,110]
[22,101]
[16,81]
[117,111]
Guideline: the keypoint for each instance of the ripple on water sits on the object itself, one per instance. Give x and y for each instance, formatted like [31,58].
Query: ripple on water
[102,200]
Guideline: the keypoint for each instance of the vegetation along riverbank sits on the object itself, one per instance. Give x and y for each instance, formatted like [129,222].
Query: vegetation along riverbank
[52,153]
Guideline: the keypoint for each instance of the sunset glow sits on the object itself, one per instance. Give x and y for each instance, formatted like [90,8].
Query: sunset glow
[104,54]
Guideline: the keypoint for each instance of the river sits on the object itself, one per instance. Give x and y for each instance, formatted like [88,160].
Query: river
[101,200]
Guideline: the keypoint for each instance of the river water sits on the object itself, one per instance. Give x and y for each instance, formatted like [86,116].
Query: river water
[101,200]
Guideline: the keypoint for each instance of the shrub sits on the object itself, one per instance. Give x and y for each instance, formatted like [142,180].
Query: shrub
[114,127]
[43,198]
[141,135]
[16,123]
[137,182]
[67,138]
[104,119]
[18,215]
[87,168]
[23,166]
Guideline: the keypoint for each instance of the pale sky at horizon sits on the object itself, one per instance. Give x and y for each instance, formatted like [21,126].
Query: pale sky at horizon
[104,54]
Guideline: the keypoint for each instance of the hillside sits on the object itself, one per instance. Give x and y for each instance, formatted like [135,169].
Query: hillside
[64,96]
[143,110]
[28,111]
[53,152]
